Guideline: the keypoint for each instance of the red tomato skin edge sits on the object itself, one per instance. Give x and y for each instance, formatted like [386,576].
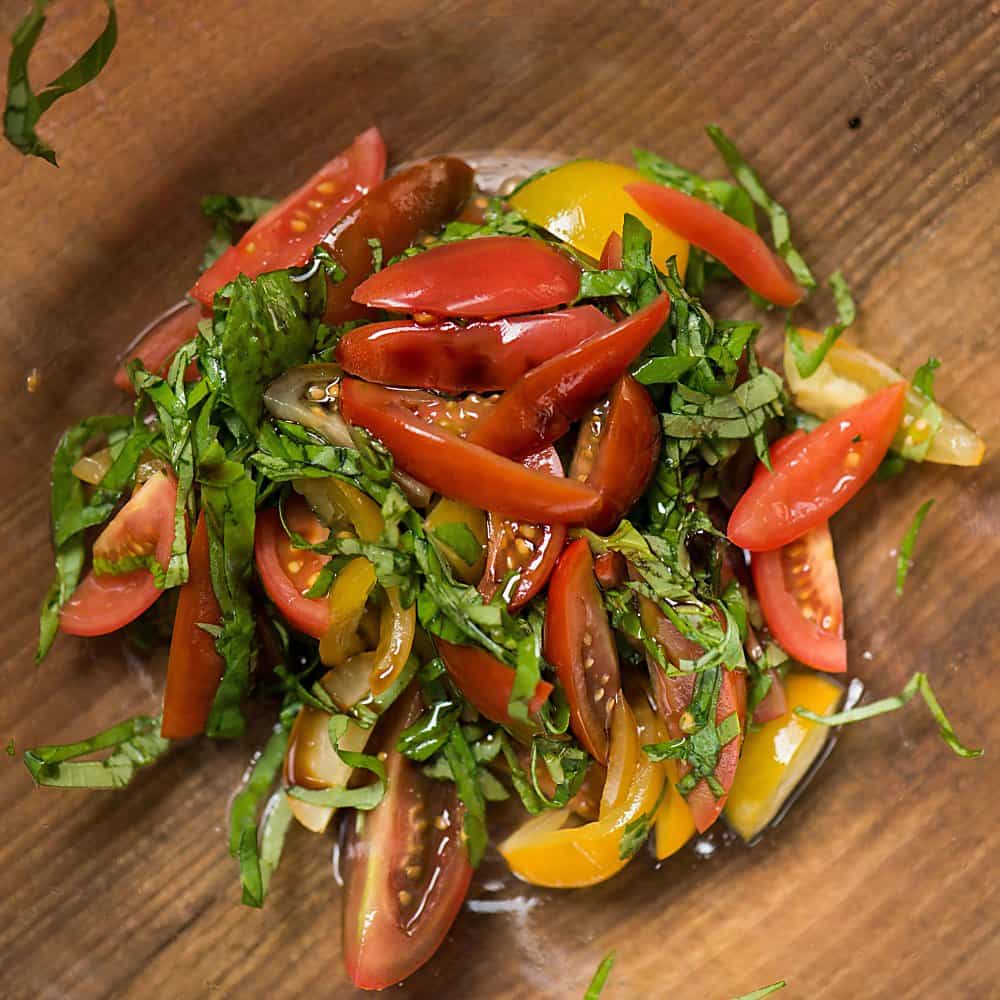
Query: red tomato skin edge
[303,613]
[774,704]
[157,343]
[737,246]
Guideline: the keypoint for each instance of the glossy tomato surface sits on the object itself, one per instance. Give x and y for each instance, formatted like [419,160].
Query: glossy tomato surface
[156,346]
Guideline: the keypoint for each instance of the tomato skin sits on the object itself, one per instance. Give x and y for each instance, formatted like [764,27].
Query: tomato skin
[480,357]
[774,704]
[610,569]
[579,644]
[460,470]
[194,667]
[103,603]
[156,346]
[484,277]
[414,201]
[735,245]
[308,615]
[611,255]
[286,235]
[617,451]
[814,479]
[486,682]
[540,407]
[507,538]
[406,878]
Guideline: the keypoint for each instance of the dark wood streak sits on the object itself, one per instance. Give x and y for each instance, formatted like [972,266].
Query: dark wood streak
[882,882]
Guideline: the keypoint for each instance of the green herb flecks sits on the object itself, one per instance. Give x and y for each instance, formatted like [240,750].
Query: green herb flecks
[24,108]
[596,987]
[922,430]
[764,991]
[807,362]
[905,558]
[458,537]
[229,213]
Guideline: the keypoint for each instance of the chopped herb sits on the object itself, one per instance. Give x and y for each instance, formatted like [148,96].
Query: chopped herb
[928,422]
[24,108]
[917,684]
[923,378]
[597,984]
[764,991]
[636,831]
[891,466]
[808,361]
[458,537]
[11,750]
[375,244]
[905,558]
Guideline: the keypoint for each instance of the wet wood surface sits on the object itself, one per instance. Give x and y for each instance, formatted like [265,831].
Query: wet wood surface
[883,881]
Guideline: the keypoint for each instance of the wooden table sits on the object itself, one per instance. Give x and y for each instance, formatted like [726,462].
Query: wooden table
[883,882]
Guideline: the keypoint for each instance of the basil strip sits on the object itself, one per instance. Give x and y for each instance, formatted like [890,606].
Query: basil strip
[764,991]
[597,984]
[807,362]
[905,558]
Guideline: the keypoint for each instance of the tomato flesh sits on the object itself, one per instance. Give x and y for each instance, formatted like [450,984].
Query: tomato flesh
[486,277]
[579,644]
[811,481]
[617,450]
[194,667]
[540,407]
[407,869]
[156,346]
[287,234]
[104,602]
[735,245]
[287,572]
[459,469]
[529,551]
[480,357]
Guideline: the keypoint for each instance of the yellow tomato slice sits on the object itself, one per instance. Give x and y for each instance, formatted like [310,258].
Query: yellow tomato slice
[776,756]
[348,596]
[448,511]
[584,201]
[545,852]
[848,375]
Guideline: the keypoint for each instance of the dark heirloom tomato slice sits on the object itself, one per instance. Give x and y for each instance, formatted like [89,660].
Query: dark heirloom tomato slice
[460,470]
[286,235]
[735,245]
[774,704]
[488,277]
[811,481]
[486,682]
[418,200]
[194,667]
[617,450]
[104,602]
[610,569]
[579,644]
[540,407]
[286,572]
[156,346]
[529,551]
[406,867]
[480,357]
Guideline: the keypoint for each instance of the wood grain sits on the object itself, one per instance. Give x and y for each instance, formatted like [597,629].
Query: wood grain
[883,881]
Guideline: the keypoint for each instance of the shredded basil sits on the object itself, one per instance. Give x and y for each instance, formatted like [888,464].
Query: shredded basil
[596,987]
[905,558]
[764,991]
[229,213]
[458,537]
[807,362]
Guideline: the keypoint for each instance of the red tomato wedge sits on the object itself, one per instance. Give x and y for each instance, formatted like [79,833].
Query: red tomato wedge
[610,569]
[813,480]
[540,407]
[611,255]
[617,450]
[194,667]
[480,357]
[485,277]
[286,235]
[774,704]
[799,592]
[406,867]
[156,346]
[460,470]
[527,550]
[104,602]
[396,213]
[579,644]
[486,682]
[287,572]
[735,245]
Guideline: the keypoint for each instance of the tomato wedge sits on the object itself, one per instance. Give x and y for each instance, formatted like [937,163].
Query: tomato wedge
[735,245]
[813,480]
[479,357]
[460,470]
[529,551]
[194,667]
[287,572]
[156,346]
[610,569]
[395,213]
[144,527]
[579,644]
[540,407]
[407,870]
[286,235]
[611,255]
[617,450]
[488,276]
[486,682]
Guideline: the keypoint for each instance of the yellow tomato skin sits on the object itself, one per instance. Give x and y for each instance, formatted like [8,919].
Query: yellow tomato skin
[582,202]
[674,822]
[455,512]
[776,756]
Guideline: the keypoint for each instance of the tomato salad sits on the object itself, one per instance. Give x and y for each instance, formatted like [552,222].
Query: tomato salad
[473,491]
